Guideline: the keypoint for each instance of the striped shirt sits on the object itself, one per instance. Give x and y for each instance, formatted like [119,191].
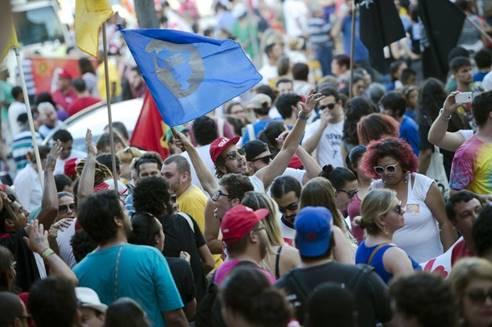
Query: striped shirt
[319,31]
[21,145]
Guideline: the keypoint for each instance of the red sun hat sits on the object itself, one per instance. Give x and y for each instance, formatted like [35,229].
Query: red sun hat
[239,221]
[218,146]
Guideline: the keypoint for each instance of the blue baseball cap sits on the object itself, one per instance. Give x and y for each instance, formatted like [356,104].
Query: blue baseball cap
[313,231]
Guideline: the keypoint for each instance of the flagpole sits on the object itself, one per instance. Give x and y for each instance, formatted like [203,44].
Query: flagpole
[29,116]
[352,49]
[478,28]
[108,102]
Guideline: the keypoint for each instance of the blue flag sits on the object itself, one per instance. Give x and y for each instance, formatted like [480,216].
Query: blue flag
[189,75]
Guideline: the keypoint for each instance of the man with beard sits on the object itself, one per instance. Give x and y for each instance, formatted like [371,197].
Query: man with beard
[245,239]
[118,269]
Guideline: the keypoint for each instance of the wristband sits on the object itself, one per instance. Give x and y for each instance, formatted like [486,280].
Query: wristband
[302,115]
[47,252]
[441,113]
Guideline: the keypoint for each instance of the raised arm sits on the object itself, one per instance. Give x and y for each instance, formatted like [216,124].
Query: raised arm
[86,180]
[207,180]
[49,204]
[438,134]
[311,166]
[281,160]
[311,142]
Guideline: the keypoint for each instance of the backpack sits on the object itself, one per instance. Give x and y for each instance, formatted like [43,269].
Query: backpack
[208,312]
[303,291]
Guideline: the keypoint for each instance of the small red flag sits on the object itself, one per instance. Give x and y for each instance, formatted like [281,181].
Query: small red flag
[150,131]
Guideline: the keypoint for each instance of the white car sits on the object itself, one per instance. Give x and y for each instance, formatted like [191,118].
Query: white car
[96,119]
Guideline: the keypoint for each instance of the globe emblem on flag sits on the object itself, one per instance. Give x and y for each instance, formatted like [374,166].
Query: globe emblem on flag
[178,66]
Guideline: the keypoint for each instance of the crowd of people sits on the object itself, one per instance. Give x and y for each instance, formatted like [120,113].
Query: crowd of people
[314,199]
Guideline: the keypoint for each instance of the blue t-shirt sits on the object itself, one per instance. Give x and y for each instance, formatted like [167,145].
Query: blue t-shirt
[409,131]
[364,252]
[258,127]
[143,275]
[360,51]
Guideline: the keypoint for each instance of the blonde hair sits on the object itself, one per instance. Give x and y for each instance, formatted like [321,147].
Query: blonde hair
[376,203]
[255,201]
[319,192]
[465,271]
[128,154]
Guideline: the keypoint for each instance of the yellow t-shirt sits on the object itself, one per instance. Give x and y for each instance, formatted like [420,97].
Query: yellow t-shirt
[193,202]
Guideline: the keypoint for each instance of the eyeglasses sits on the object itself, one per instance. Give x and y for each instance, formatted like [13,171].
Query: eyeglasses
[65,208]
[399,209]
[233,155]
[265,159]
[330,106]
[218,194]
[479,296]
[388,168]
[350,194]
[291,207]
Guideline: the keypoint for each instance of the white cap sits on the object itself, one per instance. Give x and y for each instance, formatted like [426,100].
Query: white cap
[89,299]
[487,82]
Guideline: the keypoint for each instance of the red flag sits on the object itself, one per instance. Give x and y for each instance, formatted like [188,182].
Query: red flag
[150,131]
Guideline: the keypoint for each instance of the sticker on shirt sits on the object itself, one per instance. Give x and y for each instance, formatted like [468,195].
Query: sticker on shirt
[413,209]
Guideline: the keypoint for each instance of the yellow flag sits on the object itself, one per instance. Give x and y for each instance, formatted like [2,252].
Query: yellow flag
[89,16]
[11,43]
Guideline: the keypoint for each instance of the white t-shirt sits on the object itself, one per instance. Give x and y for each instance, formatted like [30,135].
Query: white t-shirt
[28,188]
[64,239]
[329,150]
[298,174]
[295,15]
[268,72]
[15,109]
[419,237]
[60,163]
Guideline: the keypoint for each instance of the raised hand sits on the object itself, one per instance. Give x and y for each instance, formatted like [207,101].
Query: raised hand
[91,148]
[59,226]
[450,104]
[55,151]
[180,140]
[312,100]
[38,237]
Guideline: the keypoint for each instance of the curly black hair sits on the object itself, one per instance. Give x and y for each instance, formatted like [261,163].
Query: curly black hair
[152,195]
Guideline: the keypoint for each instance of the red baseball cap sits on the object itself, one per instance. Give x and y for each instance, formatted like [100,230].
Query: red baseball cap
[219,145]
[239,221]
[65,75]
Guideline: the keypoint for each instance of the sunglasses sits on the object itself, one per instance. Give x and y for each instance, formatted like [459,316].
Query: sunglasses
[399,209]
[265,159]
[350,194]
[330,106]
[391,169]
[218,194]
[65,208]
[479,296]
[291,207]
[233,155]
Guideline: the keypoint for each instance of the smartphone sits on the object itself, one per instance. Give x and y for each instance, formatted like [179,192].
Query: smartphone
[463,97]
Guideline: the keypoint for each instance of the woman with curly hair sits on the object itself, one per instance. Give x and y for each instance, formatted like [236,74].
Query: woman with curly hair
[426,231]
[471,280]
